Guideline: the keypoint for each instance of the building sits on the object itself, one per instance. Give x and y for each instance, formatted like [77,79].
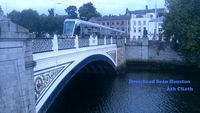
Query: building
[134,22]
[121,22]
[145,19]
[151,27]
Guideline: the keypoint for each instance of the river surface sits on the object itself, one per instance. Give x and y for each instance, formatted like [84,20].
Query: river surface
[127,93]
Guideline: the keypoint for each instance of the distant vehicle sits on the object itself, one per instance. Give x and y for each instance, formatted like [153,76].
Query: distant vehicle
[84,29]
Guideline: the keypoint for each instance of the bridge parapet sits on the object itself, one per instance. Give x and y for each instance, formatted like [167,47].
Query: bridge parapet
[40,45]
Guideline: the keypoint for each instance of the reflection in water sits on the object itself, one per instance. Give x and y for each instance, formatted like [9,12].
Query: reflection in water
[113,94]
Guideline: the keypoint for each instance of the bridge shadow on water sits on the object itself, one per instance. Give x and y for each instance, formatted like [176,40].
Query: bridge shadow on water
[85,90]
[97,89]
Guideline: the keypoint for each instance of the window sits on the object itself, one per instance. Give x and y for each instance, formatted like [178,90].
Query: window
[117,23]
[122,29]
[113,23]
[107,23]
[144,22]
[68,28]
[139,29]
[122,23]
[135,29]
[139,37]
[139,22]
[159,29]
[134,23]
[77,30]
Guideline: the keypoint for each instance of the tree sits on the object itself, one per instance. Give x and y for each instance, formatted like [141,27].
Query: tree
[183,24]
[27,18]
[15,16]
[51,12]
[88,11]
[71,12]
[30,19]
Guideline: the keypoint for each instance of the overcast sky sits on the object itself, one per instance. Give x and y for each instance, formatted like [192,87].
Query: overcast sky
[105,7]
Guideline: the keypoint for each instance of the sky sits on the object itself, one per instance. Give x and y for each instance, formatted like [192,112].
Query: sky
[105,7]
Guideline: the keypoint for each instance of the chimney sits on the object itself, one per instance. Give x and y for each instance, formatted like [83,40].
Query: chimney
[146,8]
[127,11]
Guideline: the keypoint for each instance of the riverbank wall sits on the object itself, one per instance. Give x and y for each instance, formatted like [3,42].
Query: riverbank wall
[157,51]
[155,56]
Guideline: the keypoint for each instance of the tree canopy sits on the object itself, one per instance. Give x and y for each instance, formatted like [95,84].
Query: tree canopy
[27,18]
[51,12]
[34,22]
[51,23]
[71,12]
[182,23]
[88,11]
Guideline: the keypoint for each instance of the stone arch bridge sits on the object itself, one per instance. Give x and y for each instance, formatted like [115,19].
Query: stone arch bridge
[34,70]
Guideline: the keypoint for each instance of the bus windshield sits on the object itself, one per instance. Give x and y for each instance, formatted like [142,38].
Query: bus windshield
[68,28]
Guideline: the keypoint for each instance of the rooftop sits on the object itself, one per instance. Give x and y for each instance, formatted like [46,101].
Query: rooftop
[159,19]
[160,10]
[111,17]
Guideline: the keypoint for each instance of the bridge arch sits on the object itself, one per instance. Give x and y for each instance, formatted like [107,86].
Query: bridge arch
[72,73]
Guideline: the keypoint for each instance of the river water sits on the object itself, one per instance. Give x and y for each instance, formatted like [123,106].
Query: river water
[131,92]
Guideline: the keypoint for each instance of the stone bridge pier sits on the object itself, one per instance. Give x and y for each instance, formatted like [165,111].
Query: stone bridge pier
[16,69]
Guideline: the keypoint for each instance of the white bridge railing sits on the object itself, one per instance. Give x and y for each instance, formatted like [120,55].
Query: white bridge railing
[40,45]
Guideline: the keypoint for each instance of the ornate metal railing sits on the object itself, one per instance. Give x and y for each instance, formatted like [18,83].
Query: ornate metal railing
[114,41]
[66,43]
[40,45]
[108,40]
[100,41]
[83,42]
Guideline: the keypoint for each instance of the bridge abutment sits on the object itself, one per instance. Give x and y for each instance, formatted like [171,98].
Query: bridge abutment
[16,69]
[121,58]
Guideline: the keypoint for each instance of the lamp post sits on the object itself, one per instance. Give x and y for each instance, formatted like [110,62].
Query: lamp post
[155,30]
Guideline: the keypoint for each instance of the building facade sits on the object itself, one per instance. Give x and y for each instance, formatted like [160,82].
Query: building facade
[135,22]
[146,19]
[121,22]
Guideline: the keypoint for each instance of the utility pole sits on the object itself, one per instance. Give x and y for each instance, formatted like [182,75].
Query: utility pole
[156,12]
[6,10]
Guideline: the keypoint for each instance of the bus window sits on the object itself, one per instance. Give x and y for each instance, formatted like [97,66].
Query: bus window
[85,31]
[77,30]
[68,28]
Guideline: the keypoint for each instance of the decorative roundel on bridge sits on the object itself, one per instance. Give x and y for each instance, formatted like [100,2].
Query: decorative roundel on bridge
[38,84]
[45,78]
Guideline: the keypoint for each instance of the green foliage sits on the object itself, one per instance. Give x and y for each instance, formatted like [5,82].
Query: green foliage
[31,20]
[71,12]
[88,11]
[183,24]
[52,23]
[15,16]
[51,12]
